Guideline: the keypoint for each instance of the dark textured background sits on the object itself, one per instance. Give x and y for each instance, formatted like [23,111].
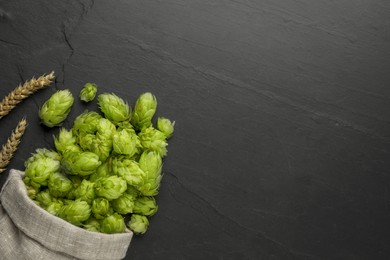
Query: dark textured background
[282,142]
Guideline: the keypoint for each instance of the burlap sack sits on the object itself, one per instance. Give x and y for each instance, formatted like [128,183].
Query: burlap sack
[29,232]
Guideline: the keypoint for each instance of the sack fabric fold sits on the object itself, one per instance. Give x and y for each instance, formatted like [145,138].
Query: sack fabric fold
[29,232]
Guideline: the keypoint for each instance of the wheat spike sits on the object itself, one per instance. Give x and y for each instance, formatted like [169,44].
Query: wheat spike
[23,91]
[11,146]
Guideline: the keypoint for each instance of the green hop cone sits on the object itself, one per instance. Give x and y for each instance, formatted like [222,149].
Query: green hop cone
[112,224]
[126,142]
[42,153]
[151,164]
[86,141]
[88,92]
[128,169]
[54,207]
[59,185]
[31,191]
[124,204]
[44,198]
[138,224]
[86,123]
[83,164]
[38,171]
[75,212]
[66,141]
[76,180]
[101,208]
[55,110]
[146,206]
[92,225]
[144,110]
[154,140]
[114,108]
[102,143]
[165,126]
[85,192]
[101,172]
[111,187]
[105,129]
[132,191]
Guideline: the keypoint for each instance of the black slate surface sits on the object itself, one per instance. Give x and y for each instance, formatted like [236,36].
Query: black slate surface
[282,142]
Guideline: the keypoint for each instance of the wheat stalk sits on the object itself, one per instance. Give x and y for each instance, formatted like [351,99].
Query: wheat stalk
[23,91]
[11,146]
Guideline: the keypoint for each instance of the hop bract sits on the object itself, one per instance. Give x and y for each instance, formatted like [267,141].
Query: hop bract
[146,206]
[144,110]
[88,92]
[114,108]
[84,163]
[165,126]
[75,212]
[111,187]
[55,110]
[138,223]
[113,224]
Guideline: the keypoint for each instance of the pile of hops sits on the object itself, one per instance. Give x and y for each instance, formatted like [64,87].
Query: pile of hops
[105,170]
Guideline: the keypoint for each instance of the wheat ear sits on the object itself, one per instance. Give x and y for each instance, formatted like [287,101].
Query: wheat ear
[23,91]
[11,146]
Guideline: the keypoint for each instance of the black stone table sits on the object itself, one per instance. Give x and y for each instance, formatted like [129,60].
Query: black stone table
[282,110]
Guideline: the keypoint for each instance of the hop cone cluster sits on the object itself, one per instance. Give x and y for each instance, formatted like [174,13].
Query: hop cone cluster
[107,167]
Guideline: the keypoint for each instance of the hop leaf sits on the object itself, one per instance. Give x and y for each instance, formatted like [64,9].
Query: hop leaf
[111,187]
[138,223]
[151,164]
[114,108]
[101,208]
[144,110]
[146,206]
[55,110]
[128,169]
[165,126]
[124,204]
[88,92]
[154,140]
[59,185]
[84,163]
[75,212]
[113,224]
